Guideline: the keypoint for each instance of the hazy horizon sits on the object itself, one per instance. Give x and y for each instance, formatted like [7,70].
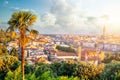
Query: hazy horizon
[67,16]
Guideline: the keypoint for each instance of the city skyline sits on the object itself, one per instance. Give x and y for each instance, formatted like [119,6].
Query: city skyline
[67,16]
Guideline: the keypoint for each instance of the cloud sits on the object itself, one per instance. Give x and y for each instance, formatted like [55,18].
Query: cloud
[47,20]
[14,8]
[67,17]
[3,25]
[22,9]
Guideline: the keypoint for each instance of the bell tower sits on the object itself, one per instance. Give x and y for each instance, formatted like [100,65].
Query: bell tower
[104,31]
[79,53]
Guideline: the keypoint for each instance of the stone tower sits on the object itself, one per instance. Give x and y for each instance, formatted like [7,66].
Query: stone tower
[79,53]
[104,31]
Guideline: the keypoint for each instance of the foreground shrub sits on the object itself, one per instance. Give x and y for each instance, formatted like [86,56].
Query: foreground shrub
[41,68]
[62,68]
[111,71]
[15,75]
[7,63]
[88,71]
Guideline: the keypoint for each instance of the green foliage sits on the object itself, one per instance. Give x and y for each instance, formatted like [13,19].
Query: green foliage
[46,76]
[2,75]
[14,52]
[10,75]
[66,49]
[7,62]
[68,78]
[112,57]
[88,71]
[29,69]
[4,37]
[55,68]
[111,71]
[117,75]
[54,71]
[15,75]
[15,65]
[30,76]
[63,68]
[41,69]
[63,78]
[3,50]
[67,71]
[21,21]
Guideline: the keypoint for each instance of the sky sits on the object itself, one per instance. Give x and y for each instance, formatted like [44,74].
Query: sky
[66,16]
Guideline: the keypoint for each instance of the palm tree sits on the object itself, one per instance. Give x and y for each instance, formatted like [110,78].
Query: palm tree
[20,21]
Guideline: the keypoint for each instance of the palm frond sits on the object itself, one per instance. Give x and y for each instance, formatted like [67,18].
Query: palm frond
[34,32]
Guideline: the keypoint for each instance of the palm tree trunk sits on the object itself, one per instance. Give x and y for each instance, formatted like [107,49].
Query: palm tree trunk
[22,64]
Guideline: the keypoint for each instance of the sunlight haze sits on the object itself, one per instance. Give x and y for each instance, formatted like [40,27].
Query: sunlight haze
[67,16]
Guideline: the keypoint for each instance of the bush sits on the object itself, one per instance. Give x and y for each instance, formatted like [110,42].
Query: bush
[46,76]
[111,71]
[112,57]
[88,71]
[63,68]
[15,75]
[41,68]
[7,62]
[30,76]
[29,69]
[117,75]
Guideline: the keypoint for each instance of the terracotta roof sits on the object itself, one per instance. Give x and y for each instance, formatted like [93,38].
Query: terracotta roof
[90,54]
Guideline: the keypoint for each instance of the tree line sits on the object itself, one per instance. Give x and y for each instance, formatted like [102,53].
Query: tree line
[70,70]
[66,49]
